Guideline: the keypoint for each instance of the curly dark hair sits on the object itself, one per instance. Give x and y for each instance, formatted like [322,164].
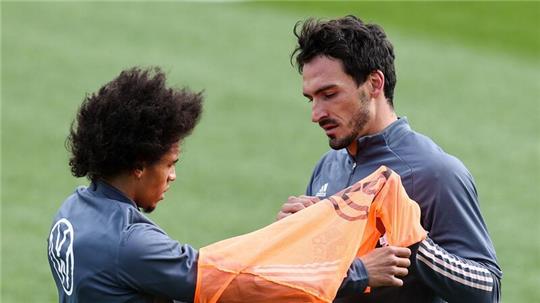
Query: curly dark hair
[132,120]
[362,48]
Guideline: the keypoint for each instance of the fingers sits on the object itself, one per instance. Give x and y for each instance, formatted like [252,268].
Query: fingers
[400,260]
[403,262]
[304,200]
[309,199]
[295,204]
[292,207]
[400,271]
[386,264]
[396,282]
[402,252]
[282,215]
[393,280]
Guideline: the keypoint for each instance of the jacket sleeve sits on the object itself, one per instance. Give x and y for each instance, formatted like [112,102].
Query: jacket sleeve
[456,279]
[458,259]
[153,263]
[356,280]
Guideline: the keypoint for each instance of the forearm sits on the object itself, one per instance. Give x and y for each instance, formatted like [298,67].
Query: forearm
[456,279]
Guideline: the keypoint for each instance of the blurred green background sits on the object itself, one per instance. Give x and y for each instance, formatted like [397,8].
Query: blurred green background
[468,76]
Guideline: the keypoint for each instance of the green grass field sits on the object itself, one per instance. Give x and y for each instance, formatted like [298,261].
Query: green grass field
[468,76]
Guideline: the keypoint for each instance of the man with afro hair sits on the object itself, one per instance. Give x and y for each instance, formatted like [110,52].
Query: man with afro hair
[125,140]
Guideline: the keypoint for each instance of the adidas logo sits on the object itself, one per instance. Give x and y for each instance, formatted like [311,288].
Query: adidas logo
[322,191]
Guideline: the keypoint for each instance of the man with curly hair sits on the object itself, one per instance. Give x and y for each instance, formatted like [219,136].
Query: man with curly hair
[349,79]
[125,140]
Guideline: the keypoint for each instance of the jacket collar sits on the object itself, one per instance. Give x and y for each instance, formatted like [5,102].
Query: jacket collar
[103,188]
[392,132]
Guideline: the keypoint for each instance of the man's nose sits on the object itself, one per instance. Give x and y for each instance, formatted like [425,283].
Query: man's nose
[318,112]
[172,174]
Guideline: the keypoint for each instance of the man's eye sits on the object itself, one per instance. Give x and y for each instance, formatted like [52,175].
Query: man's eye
[329,95]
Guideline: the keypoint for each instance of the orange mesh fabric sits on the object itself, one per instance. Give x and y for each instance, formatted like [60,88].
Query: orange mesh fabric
[305,257]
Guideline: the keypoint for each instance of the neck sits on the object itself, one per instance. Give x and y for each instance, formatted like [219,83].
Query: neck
[123,183]
[381,122]
[382,116]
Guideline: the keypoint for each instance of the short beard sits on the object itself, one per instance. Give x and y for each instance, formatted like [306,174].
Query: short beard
[149,209]
[359,120]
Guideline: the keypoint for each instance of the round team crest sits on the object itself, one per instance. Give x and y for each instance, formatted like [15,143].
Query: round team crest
[61,253]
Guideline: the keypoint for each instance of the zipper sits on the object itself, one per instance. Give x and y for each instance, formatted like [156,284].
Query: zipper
[351,174]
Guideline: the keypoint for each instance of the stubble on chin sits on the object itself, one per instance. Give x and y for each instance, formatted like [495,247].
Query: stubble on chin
[339,143]
[356,125]
[149,209]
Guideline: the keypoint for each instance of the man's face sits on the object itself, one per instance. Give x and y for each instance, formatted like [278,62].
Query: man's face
[339,105]
[155,178]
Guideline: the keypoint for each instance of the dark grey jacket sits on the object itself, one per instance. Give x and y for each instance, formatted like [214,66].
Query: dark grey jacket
[461,266]
[101,248]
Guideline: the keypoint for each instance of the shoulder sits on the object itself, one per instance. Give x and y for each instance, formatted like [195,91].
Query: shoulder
[71,201]
[426,158]
[144,238]
[142,245]
[431,168]
[145,244]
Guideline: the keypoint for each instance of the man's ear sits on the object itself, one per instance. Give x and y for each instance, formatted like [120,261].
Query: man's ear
[376,83]
[138,170]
